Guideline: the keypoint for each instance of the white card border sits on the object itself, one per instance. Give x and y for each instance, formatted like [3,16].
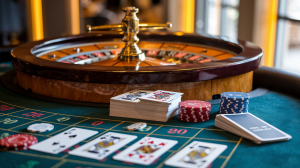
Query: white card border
[121,156]
[78,151]
[212,156]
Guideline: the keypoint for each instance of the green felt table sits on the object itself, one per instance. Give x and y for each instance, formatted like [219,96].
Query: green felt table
[17,112]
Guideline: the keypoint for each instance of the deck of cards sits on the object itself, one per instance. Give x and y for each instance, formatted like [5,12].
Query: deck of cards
[249,126]
[157,105]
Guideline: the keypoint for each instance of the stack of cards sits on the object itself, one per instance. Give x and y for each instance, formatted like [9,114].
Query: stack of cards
[249,126]
[147,105]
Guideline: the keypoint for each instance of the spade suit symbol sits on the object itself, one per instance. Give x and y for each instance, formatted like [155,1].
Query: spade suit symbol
[55,143]
[72,136]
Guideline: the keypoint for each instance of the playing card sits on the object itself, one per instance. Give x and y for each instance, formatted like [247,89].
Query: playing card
[145,151]
[196,154]
[255,127]
[131,96]
[63,141]
[103,145]
[161,96]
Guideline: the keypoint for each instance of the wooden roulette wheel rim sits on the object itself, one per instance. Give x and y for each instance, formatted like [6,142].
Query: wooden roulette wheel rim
[34,72]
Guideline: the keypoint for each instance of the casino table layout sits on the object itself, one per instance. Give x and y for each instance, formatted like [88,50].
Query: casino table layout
[279,106]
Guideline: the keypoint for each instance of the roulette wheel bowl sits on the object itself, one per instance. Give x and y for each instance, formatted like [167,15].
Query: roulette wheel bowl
[94,83]
[96,66]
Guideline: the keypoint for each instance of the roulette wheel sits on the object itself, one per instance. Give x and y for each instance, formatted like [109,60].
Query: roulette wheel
[113,59]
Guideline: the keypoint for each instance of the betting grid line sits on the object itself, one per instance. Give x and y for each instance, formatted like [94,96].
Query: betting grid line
[59,164]
[132,132]
[223,157]
[59,159]
[217,140]
[14,112]
[111,119]
[154,131]
[20,117]
[162,163]
[31,122]
[231,153]
[107,130]
[22,132]
[69,126]
[22,124]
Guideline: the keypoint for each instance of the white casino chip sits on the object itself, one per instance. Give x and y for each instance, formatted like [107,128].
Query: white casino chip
[136,126]
[40,127]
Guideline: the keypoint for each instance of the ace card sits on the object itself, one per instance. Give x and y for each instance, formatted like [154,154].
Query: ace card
[145,151]
[196,155]
[103,145]
[63,140]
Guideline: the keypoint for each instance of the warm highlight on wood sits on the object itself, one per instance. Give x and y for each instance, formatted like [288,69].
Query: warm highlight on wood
[101,93]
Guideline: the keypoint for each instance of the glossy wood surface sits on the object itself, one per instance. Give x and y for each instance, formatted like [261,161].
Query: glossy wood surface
[101,93]
[248,58]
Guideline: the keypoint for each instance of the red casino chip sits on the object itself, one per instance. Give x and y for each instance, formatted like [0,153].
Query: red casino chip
[191,111]
[192,115]
[18,140]
[193,120]
[195,104]
[198,113]
[17,148]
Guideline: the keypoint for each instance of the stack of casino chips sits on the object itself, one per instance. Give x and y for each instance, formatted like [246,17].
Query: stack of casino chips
[194,111]
[18,142]
[234,102]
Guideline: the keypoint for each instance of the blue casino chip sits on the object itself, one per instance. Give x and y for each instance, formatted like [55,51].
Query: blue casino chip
[234,102]
[235,95]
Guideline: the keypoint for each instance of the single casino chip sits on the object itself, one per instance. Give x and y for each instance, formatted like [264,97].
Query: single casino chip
[40,127]
[193,113]
[136,126]
[236,95]
[200,112]
[181,112]
[18,140]
[193,120]
[196,110]
[194,117]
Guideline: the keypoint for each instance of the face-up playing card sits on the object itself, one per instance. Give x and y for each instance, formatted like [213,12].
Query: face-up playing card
[103,146]
[63,140]
[196,154]
[131,96]
[145,151]
[162,96]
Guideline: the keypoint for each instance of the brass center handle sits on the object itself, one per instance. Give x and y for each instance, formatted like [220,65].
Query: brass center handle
[130,26]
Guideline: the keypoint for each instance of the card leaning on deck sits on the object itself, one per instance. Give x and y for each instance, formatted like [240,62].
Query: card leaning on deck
[249,126]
